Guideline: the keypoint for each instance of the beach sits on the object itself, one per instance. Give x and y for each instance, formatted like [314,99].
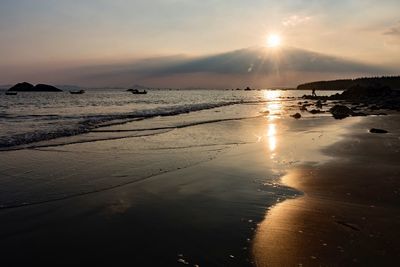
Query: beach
[241,184]
[349,214]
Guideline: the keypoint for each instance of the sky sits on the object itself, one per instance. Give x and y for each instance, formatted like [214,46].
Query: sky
[56,41]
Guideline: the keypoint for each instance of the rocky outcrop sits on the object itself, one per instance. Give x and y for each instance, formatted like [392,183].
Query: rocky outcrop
[360,92]
[375,97]
[375,130]
[46,88]
[341,112]
[22,87]
[296,115]
[27,87]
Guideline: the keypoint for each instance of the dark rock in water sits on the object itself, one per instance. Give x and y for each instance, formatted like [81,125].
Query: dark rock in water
[303,108]
[374,107]
[296,116]
[375,130]
[319,104]
[315,111]
[341,112]
[46,88]
[358,114]
[21,87]
[27,87]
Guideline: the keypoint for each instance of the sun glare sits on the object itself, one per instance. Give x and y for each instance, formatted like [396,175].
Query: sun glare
[274,40]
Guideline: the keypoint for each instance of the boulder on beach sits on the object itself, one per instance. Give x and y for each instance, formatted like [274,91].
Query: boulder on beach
[375,130]
[296,115]
[27,87]
[341,112]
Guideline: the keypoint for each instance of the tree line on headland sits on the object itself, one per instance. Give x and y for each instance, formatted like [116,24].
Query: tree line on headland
[343,84]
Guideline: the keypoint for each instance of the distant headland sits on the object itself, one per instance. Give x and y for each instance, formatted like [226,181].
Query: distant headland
[27,87]
[343,84]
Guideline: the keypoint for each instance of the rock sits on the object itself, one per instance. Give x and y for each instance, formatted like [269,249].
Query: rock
[319,104]
[27,87]
[296,116]
[375,130]
[46,88]
[359,91]
[303,108]
[358,114]
[21,87]
[341,112]
[315,111]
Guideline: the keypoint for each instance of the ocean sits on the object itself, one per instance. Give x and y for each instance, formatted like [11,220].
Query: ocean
[28,118]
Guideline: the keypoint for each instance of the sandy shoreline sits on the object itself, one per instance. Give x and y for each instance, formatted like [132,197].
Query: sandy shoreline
[199,195]
[350,212]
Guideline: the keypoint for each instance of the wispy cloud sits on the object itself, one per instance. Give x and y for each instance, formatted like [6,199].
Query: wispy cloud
[295,20]
[394,31]
[254,64]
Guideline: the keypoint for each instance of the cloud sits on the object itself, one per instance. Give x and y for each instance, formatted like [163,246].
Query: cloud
[295,20]
[257,66]
[394,31]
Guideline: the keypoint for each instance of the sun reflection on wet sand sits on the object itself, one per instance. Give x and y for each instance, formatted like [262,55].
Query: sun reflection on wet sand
[271,134]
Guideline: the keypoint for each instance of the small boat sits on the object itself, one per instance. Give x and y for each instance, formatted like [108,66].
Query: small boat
[137,92]
[77,92]
[11,93]
[247,89]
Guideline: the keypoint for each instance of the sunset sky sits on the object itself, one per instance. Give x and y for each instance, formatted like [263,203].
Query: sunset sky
[43,38]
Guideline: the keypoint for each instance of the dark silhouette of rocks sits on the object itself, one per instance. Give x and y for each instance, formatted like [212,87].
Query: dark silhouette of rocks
[371,97]
[375,130]
[27,87]
[21,87]
[296,115]
[46,88]
[316,111]
[341,112]
[344,84]
[360,92]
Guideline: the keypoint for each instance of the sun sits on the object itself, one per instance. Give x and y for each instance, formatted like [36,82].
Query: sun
[274,40]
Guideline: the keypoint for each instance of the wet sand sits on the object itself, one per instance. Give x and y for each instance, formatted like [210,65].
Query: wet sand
[206,195]
[193,195]
[349,214]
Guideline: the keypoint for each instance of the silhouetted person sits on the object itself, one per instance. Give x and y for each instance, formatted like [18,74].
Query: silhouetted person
[313,92]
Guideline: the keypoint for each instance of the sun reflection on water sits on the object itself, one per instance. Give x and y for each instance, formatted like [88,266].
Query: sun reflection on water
[274,106]
[272,95]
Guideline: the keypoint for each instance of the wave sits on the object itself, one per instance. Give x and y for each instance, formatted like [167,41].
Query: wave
[72,125]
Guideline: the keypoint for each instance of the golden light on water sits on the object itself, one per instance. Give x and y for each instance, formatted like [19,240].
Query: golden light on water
[272,95]
[274,106]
